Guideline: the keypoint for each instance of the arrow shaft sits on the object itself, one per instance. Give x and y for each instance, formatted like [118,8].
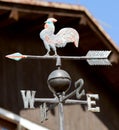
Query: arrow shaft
[63,57]
[48,100]
[71,101]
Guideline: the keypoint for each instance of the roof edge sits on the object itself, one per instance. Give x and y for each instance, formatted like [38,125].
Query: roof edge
[44,3]
[69,7]
[100,28]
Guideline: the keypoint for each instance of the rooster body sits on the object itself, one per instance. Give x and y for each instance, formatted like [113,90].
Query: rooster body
[64,36]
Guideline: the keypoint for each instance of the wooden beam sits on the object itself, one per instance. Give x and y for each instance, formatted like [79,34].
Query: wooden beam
[4,19]
[14,14]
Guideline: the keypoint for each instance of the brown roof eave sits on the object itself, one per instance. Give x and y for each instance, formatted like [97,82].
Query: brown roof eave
[93,23]
[44,3]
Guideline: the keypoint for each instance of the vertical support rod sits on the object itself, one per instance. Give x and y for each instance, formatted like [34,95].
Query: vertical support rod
[61,116]
[58,62]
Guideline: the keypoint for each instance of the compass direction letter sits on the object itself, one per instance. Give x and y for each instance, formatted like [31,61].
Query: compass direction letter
[43,111]
[28,98]
[78,85]
[91,102]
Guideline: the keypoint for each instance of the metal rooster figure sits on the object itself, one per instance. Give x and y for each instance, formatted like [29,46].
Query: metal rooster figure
[64,36]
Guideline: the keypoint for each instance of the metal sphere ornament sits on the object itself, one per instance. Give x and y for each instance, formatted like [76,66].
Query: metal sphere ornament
[59,81]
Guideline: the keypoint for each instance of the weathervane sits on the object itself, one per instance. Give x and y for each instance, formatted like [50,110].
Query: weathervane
[59,81]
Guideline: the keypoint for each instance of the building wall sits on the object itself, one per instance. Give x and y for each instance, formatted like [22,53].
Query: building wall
[74,118]
[32,75]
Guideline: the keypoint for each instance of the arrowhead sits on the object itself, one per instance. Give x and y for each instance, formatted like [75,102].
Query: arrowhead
[16,56]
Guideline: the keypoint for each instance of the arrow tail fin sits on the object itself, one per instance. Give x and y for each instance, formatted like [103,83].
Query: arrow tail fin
[99,62]
[98,54]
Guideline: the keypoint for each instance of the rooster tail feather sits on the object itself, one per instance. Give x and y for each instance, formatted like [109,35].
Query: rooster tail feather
[76,40]
[76,44]
[64,36]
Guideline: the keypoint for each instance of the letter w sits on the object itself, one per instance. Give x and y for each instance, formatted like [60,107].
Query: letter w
[28,98]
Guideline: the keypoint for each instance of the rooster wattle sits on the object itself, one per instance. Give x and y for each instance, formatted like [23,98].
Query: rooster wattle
[64,36]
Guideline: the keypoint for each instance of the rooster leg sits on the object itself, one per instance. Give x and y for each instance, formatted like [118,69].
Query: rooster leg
[54,49]
[47,46]
[55,53]
[47,54]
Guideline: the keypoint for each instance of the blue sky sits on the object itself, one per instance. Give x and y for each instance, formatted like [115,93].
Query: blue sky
[105,11]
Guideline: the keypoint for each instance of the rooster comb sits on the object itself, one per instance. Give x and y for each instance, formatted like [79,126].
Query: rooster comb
[51,20]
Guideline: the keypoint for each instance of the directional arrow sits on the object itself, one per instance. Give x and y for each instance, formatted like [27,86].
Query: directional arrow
[92,57]
[98,57]
[16,56]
